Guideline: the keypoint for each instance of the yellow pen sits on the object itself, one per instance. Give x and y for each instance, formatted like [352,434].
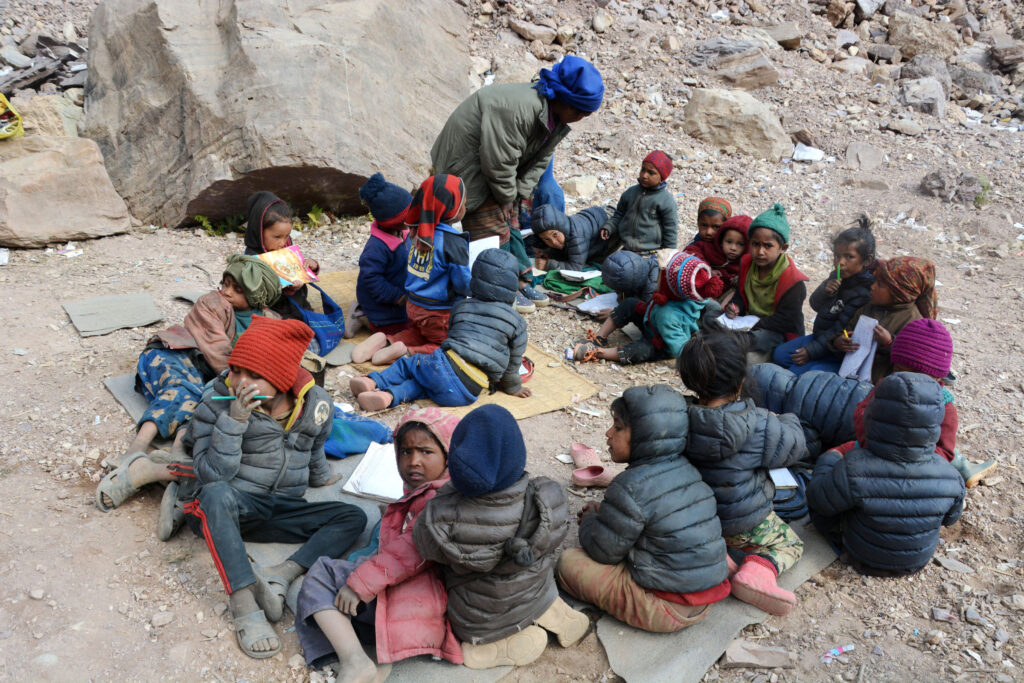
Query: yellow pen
[846,334]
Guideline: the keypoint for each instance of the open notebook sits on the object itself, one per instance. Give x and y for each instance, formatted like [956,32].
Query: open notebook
[376,475]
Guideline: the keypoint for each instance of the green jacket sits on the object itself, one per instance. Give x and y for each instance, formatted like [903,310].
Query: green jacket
[645,220]
[498,142]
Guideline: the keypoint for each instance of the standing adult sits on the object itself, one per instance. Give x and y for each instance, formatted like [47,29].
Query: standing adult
[501,138]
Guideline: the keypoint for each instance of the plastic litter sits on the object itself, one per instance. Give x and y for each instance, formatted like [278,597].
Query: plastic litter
[829,656]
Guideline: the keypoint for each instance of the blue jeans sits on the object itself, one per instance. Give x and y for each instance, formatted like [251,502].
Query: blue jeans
[782,353]
[423,375]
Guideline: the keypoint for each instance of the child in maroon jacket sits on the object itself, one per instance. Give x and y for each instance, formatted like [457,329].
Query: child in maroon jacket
[725,250]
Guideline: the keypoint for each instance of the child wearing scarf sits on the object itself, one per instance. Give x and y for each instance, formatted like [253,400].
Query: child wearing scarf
[646,218]
[437,273]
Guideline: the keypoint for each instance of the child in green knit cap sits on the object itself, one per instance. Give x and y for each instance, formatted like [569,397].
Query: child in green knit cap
[770,285]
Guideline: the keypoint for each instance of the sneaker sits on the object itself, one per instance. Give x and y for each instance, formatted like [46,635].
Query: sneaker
[523,304]
[518,649]
[565,622]
[538,298]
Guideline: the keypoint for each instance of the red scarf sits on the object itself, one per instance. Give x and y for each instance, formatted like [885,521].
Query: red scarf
[438,200]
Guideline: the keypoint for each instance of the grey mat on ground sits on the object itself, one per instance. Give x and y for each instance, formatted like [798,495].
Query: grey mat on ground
[104,314]
[686,656]
[191,296]
[341,355]
[123,389]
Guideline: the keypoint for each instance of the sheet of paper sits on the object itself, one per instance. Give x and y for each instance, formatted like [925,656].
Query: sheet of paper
[601,302]
[783,478]
[578,275]
[857,364]
[376,476]
[741,323]
[477,246]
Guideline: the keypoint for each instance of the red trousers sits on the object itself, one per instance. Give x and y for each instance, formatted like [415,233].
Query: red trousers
[427,329]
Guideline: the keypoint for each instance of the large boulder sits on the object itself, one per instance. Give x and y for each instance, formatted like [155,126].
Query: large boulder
[928,66]
[925,95]
[735,121]
[748,70]
[916,36]
[49,115]
[54,189]
[198,104]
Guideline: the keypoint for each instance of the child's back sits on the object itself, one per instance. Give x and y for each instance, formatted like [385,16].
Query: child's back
[630,275]
[436,278]
[892,496]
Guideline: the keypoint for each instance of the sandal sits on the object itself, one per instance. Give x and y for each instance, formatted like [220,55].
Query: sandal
[117,486]
[172,513]
[252,628]
[583,352]
[592,336]
[270,590]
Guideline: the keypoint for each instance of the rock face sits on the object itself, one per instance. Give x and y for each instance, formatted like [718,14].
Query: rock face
[49,115]
[54,189]
[916,36]
[733,120]
[305,99]
[924,95]
[952,185]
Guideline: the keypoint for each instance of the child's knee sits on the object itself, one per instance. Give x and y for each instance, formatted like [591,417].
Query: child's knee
[217,494]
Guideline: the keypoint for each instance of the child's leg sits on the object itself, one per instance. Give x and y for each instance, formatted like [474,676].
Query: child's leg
[773,540]
[354,665]
[140,472]
[399,380]
[433,328]
[774,547]
[433,372]
[782,355]
[823,364]
[611,587]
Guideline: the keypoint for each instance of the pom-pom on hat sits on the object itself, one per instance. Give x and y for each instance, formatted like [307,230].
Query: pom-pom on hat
[773,219]
[685,274]
[487,452]
[387,202]
[662,162]
[272,349]
[923,345]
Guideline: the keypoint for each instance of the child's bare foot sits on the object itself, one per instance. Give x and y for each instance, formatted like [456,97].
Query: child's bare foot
[364,350]
[375,400]
[360,669]
[358,385]
[389,354]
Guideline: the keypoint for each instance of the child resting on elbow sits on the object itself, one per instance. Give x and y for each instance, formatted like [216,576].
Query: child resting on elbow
[571,242]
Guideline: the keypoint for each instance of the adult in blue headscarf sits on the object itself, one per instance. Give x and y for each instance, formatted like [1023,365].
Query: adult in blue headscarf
[500,140]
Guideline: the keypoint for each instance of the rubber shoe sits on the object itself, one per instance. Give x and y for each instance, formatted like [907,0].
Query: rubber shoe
[372,401]
[971,473]
[519,649]
[523,304]
[172,513]
[365,349]
[756,583]
[538,298]
[359,385]
[565,622]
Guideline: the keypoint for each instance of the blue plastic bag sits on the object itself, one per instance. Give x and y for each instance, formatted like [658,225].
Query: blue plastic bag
[351,434]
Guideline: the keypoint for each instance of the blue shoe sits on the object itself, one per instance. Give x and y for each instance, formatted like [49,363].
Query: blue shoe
[523,304]
[538,298]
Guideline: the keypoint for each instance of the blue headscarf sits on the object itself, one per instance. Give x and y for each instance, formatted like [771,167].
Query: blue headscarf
[574,81]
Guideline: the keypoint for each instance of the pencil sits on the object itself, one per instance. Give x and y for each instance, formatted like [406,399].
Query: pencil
[839,272]
[846,334]
[231,398]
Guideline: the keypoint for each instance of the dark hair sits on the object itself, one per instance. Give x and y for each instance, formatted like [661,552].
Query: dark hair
[620,409]
[713,365]
[860,234]
[413,426]
[776,235]
[711,212]
[275,213]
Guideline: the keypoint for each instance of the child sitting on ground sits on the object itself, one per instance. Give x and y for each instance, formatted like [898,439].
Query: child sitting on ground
[437,275]
[269,228]
[495,530]
[724,252]
[733,444]
[175,365]
[667,321]
[391,599]
[630,275]
[572,242]
[712,212]
[257,442]
[645,218]
[380,287]
[884,502]
[903,291]
[652,552]
[770,285]
[836,300]
[484,348]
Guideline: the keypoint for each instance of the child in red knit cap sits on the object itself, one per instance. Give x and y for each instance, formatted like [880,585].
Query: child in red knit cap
[724,251]
[646,218]
[257,442]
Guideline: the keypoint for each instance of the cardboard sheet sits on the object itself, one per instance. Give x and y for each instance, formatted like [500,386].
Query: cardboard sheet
[104,314]
[123,389]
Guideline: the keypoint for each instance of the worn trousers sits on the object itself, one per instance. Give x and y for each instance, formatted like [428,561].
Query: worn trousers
[423,375]
[773,540]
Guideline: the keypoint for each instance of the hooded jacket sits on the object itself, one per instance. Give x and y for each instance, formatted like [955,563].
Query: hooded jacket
[485,329]
[631,275]
[834,311]
[435,279]
[823,401]
[733,446]
[583,243]
[658,516]
[645,219]
[259,456]
[498,141]
[892,496]
[381,281]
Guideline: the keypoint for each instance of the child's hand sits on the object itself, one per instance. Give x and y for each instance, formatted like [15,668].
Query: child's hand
[401,300]
[832,286]
[800,356]
[540,262]
[241,407]
[590,508]
[882,336]
[347,601]
[523,392]
[732,310]
[605,233]
[845,344]
[313,265]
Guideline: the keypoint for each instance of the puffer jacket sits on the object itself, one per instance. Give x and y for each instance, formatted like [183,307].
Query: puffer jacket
[410,593]
[645,219]
[497,140]
[259,456]
[834,311]
[485,329]
[734,446]
[823,401]
[631,275]
[498,554]
[658,516]
[583,243]
[891,497]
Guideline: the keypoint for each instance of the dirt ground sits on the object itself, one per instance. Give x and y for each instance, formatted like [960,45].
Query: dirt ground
[81,590]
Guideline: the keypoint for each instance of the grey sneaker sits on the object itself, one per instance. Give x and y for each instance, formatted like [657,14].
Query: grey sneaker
[523,304]
[538,298]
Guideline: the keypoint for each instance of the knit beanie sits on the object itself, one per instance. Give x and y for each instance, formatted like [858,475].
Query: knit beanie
[258,281]
[487,452]
[272,349]
[716,204]
[740,224]
[773,219]
[662,162]
[923,345]
[388,203]
[438,422]
[685,274]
